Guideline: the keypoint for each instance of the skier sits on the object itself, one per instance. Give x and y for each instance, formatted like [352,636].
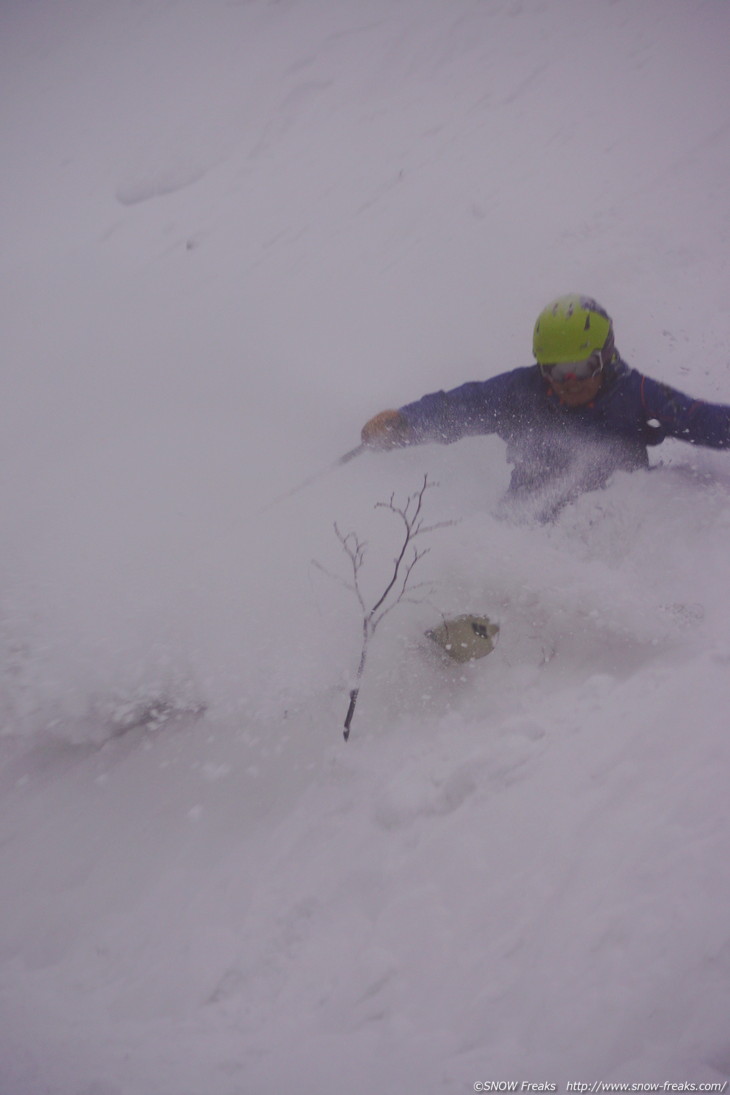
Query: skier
[569,421]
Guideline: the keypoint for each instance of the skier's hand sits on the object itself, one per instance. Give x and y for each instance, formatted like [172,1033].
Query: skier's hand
[387,430]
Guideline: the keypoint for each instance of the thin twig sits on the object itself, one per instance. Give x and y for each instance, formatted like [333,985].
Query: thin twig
[399,582]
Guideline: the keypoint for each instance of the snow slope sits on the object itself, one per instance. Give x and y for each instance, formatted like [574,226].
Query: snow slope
[233,231]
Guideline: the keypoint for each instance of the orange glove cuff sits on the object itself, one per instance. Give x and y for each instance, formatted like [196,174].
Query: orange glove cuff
[387,430]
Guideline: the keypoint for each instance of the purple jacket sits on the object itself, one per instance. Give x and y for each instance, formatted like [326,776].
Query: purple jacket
[548,440]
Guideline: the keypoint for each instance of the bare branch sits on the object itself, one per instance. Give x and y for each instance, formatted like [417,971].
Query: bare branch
[417,555]
[398,587]
[355,551]
[410,521]
[432,528]
[335,577]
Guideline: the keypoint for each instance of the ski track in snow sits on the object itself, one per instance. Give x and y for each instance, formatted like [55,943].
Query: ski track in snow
[515,869]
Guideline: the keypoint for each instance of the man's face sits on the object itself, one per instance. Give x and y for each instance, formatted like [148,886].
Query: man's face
[574,392]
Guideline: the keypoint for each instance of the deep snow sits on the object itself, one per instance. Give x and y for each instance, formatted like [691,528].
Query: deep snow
[233,231]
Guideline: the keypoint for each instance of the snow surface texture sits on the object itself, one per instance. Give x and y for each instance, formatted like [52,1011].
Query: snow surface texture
[232,232]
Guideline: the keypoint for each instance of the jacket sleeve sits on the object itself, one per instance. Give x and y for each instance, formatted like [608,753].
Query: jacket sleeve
[685,418]
[473,408]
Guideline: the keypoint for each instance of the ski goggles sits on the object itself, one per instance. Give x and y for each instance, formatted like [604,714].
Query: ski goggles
[574,370]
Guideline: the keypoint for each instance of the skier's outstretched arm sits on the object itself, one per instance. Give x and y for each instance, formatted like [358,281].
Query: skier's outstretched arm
[685,418]
[473,408]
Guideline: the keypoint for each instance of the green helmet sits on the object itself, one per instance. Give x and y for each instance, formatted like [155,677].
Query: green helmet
[573,328]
